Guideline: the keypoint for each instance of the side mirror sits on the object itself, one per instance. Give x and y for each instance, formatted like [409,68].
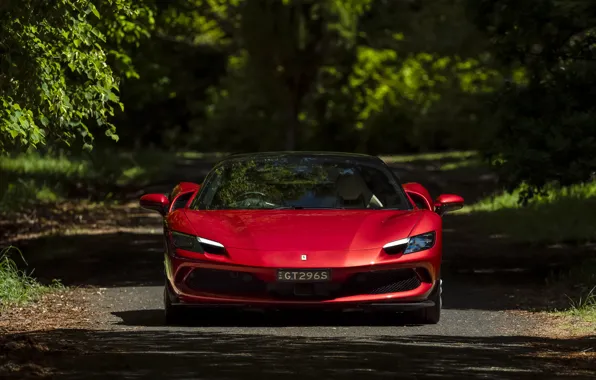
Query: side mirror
[155,202]
[448,203]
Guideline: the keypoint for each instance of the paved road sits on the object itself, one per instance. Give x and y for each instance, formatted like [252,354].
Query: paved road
[141,307]
[131,342]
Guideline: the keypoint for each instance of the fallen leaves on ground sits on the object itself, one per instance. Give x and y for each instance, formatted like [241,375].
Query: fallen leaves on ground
[69,217]
[576,347]
[24,356]
[64,308]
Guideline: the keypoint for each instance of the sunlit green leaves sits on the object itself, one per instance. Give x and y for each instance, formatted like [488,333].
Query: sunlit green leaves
[381,78]
[55,77]
[306,64]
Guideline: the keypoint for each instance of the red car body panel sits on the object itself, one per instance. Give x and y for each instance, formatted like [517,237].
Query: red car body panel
[345,241]
[258,243]
[291,230]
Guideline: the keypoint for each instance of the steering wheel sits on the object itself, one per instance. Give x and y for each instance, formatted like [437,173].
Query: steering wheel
[243,196]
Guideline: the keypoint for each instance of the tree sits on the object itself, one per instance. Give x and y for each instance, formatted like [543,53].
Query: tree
[547,133]
[288,42]
[173,68]
[55,78]
[344,73]
[283,45]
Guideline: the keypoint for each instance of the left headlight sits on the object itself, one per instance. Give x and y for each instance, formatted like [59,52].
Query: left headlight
[412,244]
[196,244]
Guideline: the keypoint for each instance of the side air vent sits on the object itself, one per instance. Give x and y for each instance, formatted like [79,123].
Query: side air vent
[181,201]
[419,201]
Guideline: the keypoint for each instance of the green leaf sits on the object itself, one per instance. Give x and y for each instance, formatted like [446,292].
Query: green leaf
[44,38]
[94,10]
[44,120]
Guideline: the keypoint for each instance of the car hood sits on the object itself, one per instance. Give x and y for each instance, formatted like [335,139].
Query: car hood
[291,230]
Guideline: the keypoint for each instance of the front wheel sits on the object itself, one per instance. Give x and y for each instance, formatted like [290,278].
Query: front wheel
[429,315]
[173,314]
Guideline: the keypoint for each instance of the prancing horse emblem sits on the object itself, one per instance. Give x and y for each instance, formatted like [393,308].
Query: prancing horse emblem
[303,257]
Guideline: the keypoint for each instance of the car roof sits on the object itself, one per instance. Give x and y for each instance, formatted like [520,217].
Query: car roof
[306,154]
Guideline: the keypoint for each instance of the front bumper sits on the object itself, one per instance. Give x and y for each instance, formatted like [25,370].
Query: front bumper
[402,284]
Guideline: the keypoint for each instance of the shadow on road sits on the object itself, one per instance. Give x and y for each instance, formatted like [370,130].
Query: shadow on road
[103,260]
[238,318]
[193,355]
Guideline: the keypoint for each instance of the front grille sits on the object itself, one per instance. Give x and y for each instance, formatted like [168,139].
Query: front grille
[225,282]
[222,282]
[304,292]
[381,282]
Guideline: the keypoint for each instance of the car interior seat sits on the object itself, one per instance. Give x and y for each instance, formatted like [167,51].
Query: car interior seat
[352,191]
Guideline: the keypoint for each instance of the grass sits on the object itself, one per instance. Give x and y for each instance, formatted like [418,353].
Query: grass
[33,178]
[16,286]
[585,306]
[442,161]
[582,301]
[468,162]
[565,215]
[441,156]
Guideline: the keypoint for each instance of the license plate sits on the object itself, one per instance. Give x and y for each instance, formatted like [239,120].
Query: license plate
[303,275]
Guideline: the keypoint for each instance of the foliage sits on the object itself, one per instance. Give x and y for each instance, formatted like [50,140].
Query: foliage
[585,305]
[428,157]
[183,57]
[36,177]
[563,214]
[350,79]
[546,119]
[581,282]
[371,76]
[55,81]
[16,286]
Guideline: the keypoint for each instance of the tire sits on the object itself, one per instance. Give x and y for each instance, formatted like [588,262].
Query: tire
[429,315]
[174,315]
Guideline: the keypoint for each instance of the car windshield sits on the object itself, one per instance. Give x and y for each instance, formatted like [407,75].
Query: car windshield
[295,182]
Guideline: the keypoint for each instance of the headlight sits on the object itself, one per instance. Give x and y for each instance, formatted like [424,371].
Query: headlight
[412,244]
[420,242]
[196,244]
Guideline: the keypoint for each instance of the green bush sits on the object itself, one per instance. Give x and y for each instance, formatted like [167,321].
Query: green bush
[16,286]
[564,214]
[31,178]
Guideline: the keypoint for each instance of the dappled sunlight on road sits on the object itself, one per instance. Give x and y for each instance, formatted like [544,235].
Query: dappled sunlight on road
[188,354]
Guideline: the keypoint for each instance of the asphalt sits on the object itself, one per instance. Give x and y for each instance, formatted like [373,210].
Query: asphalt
[141,307]
[130,341]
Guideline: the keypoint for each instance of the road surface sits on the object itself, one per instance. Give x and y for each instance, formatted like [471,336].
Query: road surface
[130,341]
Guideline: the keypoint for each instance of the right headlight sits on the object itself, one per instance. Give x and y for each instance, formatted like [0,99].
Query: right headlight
[412,244]
[420,242]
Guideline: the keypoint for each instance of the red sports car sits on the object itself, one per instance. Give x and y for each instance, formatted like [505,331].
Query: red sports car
[303,229]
